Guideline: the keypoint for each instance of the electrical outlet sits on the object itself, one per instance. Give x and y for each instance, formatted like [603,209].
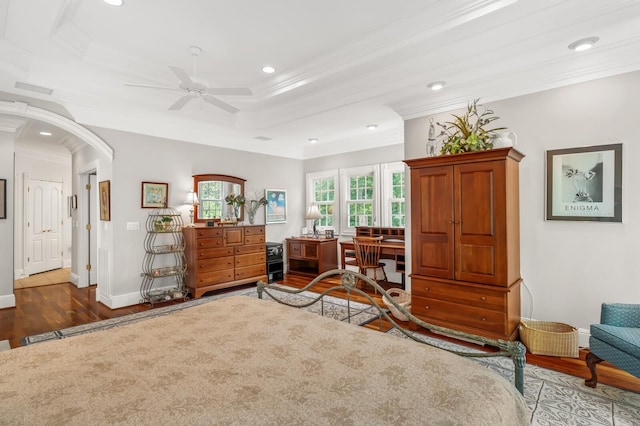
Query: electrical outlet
[133,226]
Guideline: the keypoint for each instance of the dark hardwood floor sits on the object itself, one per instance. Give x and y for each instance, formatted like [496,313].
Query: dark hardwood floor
[57,306]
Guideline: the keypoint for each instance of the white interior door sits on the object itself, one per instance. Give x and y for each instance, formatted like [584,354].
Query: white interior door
[93,229]
[44,226]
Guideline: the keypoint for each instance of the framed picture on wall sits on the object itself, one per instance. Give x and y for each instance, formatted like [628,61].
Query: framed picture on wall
[585,183]
[3,198]
[154,195]
[276,208]
[104,188]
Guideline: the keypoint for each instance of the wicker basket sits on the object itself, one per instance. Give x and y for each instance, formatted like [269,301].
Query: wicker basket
[549,338]
[402,298]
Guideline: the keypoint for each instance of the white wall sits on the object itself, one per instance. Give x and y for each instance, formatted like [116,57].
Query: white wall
[570,267]
[139,158]
[7,298]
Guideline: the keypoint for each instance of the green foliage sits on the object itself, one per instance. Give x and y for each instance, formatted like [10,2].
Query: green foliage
[467,132]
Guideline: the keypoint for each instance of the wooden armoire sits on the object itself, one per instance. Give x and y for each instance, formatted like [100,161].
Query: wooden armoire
[465,241]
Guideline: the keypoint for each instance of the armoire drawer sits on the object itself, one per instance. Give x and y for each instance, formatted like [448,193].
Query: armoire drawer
[483,319]
[484,298]
[253,248]
[209,233]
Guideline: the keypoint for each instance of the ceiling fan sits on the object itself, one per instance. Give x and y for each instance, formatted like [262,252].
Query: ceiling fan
[194,88]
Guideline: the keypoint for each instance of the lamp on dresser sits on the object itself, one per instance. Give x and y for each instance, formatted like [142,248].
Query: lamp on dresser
[313,213]
[192,201]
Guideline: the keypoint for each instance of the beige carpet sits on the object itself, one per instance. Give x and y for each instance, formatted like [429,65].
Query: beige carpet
[56,276]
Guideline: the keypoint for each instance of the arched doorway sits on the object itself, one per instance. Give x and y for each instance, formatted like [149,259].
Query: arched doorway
[102,161]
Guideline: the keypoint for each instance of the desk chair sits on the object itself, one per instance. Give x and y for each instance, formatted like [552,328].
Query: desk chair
[368,256]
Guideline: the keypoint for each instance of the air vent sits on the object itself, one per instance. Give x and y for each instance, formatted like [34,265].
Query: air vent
[262,138]
[33,88]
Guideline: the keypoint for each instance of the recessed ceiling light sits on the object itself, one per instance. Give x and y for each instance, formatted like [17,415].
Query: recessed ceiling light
[313,140]
[114,2]
[372,126]
[46,133]
[583,44]
[268,70]
[436,85]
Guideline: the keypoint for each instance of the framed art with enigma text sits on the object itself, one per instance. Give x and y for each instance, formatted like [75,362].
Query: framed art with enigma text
[276,208]
[3,198]
[585,183]
[105,200]
[154,195]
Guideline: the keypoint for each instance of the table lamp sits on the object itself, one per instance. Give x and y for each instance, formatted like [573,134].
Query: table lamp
[191,200]
[313,213]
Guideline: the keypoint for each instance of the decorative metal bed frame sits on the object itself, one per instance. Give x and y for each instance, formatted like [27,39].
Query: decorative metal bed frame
[513,349]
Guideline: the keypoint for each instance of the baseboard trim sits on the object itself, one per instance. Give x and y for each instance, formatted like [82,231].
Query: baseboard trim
[8,301]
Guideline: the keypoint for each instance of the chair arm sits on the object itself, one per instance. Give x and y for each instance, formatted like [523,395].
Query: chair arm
[620,315]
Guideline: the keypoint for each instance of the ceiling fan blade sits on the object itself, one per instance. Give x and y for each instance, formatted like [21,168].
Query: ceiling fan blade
[181,102]
[217,102]
[147,86]
[230,91]
[182,75]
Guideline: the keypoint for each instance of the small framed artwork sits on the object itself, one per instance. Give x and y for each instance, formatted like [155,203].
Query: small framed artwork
[276,208]
[154,195]
[328,233]
[3,198]
[585,183]
[105,200]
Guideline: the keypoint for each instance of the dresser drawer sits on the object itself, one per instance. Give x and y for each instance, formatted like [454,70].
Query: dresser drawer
[253,248]
[215,264]
[467,295]
[214,252]
[251,271]
[432,309]
[251,259]
[209,233]
[216,277]
[254,239]
[254,230]
[205,243]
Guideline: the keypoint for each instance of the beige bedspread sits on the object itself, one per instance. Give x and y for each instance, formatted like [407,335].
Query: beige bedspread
[242,361]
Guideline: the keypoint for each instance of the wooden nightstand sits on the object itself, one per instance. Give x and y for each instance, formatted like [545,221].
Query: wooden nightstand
[311,256]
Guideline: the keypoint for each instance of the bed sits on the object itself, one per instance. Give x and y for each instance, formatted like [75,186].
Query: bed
[241,360]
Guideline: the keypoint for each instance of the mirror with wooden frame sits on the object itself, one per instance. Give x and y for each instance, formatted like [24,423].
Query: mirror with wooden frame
[212,191]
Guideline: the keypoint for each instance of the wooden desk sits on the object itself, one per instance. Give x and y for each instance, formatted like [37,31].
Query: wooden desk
[389,249]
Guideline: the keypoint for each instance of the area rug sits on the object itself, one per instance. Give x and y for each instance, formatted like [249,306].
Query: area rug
[332,307]
[558,399]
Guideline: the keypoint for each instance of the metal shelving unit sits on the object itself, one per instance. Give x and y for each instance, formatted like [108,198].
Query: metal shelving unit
[163,266]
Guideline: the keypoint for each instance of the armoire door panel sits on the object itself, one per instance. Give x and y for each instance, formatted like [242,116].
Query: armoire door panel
[475,207]
[435,259]
[477,260]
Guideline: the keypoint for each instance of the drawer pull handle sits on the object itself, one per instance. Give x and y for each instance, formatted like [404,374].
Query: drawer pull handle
[483,298]
[484,318]
[426,307]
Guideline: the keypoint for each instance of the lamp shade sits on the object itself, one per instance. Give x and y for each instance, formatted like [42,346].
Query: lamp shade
[191,199]
[313,212]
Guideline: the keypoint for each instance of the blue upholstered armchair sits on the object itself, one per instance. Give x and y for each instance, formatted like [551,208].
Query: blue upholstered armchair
[616,340]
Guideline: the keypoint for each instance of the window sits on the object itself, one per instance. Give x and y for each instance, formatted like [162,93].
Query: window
[393,189]
[360,188]
[365,196]
[210,197]
[322,189]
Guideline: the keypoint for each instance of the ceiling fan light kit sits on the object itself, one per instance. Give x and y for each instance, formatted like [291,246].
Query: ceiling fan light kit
[193,88]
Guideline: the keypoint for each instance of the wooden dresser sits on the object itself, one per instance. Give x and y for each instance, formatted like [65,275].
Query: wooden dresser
[312,256]
[223,256]
[465,237]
